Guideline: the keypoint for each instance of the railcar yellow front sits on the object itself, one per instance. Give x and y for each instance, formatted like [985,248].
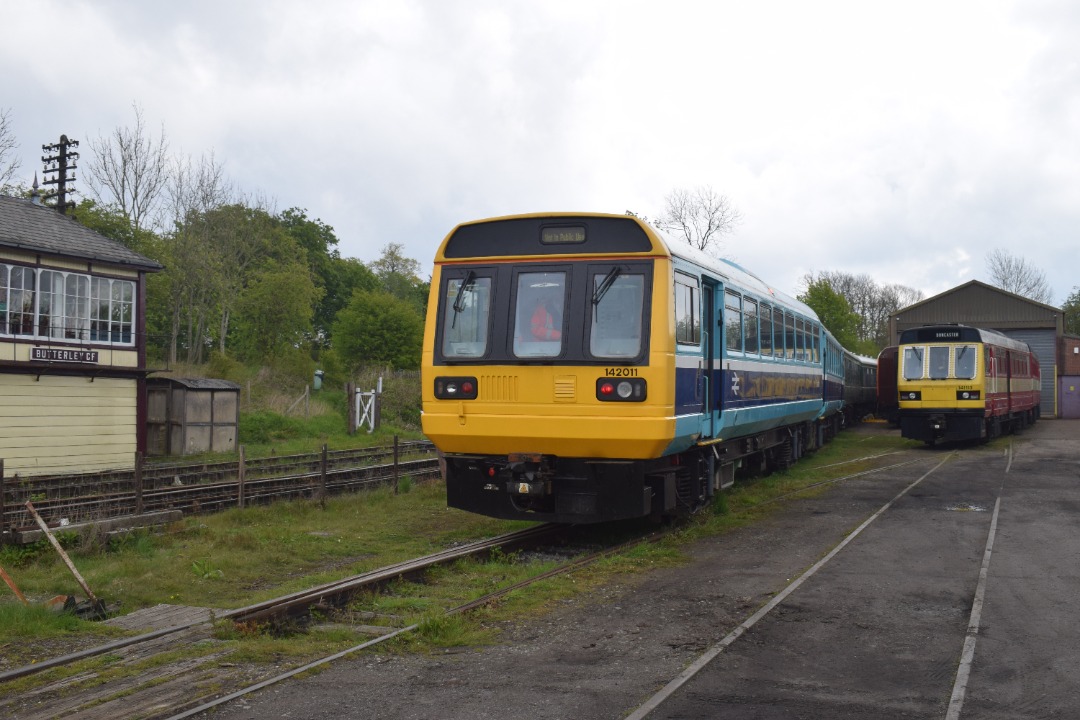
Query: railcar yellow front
[548,366]
[942,385]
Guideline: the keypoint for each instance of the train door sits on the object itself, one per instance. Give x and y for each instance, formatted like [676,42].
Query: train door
[710,342]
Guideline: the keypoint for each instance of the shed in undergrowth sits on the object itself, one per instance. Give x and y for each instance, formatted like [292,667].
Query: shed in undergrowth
[186,416]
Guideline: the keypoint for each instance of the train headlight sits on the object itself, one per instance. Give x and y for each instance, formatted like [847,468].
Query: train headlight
[911,395]
[967,394]
[455,388]
[626,390]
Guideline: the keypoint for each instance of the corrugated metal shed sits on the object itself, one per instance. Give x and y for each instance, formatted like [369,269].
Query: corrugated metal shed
[980,305]
[191,415]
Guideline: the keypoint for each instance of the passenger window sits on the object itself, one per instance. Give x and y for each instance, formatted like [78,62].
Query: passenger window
[750,321]
[766,330]
[617,303]
[789,337]
[733,321]
[687,309]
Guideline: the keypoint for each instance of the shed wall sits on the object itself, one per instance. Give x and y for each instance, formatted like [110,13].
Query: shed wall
[1044,344]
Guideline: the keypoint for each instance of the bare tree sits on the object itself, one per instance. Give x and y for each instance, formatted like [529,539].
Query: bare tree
[130,170]
[873,303]
[9,162]
[701,216]
[196,189]
[1017,275]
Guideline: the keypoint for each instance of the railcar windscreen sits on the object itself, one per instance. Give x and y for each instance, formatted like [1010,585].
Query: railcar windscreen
[965,361]
[538,316]
[939,362]
[617,312]
[913,363]
[467,306]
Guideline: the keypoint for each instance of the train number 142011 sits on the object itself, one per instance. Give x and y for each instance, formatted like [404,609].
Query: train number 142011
[620,372]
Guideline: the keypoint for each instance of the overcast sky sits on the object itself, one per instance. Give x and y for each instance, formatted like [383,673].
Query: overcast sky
[903,140]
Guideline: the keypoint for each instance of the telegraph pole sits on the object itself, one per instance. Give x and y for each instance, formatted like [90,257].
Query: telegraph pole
[60,163]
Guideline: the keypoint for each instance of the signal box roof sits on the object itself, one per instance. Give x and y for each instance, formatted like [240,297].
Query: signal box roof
[34,228]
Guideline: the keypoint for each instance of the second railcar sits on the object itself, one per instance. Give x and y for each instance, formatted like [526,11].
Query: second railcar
[957,382]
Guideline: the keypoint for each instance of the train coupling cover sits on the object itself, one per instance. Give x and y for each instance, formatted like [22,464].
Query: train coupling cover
[530,474]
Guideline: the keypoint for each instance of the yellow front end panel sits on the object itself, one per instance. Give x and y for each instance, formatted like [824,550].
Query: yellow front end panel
[550,410]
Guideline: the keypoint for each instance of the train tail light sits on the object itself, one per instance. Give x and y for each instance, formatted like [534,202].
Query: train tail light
[455,388]
[621,390]
[967,394]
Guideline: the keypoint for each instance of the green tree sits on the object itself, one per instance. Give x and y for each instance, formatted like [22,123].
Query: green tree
[1071,308]
[335,276]
[834,312]
[274,312]
[379,328]
[398,275]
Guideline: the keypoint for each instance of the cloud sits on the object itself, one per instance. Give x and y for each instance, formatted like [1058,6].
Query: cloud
[901,142]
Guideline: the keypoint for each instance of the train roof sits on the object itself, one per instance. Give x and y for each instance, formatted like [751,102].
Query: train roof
[732,271]
[488,238]
[959,333]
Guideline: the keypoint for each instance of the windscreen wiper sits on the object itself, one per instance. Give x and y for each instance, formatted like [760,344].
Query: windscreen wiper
[605,285]
[459,300]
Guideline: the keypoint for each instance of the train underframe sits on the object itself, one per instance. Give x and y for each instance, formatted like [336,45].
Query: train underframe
[943,425]
[571,490]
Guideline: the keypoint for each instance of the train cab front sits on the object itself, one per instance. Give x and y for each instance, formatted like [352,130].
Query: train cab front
[545,488]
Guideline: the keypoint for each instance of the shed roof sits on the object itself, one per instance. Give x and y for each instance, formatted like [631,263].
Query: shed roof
[971,284]
[196,383]
[35,228]
[981,305]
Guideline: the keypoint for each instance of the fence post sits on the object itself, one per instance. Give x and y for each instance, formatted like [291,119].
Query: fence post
[322,479]
[3,524]
[350,393]
[138,483]
[395,464]
[240,472]
[377,407]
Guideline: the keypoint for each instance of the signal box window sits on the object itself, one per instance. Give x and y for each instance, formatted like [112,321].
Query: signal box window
[466,309]
[617,303]
[538,316]
[687,325]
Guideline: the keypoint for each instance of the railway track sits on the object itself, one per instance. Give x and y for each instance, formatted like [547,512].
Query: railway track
[79,683]
[208,487]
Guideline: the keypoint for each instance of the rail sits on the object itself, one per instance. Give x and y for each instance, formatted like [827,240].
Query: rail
[206,486]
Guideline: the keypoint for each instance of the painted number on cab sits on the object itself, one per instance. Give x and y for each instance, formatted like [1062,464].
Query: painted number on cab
[620,372]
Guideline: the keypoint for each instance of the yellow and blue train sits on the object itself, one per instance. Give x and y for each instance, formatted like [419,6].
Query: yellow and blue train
[580,368]
[957,382]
